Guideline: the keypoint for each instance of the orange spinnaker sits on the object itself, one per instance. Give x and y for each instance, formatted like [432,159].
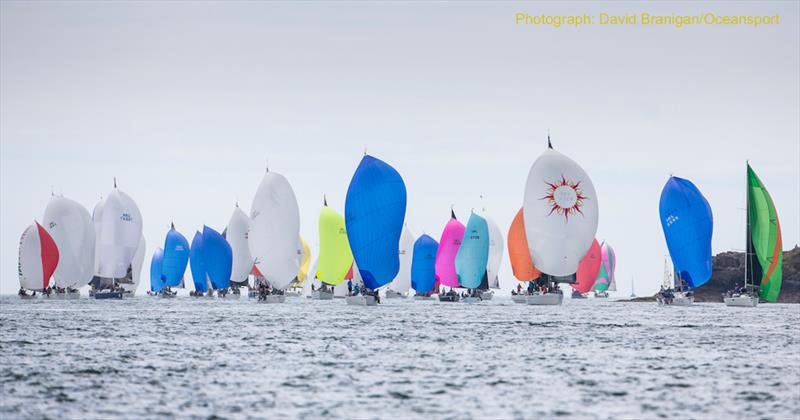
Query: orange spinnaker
[521,263]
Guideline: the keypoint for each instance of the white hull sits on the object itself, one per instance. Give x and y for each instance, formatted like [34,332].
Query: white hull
[273,299]
[391,294]
[320,295]
[487,295]
[545,299]
[293,293]
[471,299]
[361,300]
[742,301]
[678,300]
[519,298]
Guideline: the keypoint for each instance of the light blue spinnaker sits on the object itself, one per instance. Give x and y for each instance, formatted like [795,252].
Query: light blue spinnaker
[196,263]
[156,279]
[176,257]
[688,225]
[374,210]
[423,264]
[473,254]
[218,258]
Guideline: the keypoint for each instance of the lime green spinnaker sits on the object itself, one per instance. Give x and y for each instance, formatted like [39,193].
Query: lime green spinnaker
[764,239]
[335,256]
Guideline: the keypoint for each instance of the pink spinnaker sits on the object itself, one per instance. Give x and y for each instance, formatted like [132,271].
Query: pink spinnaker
[449,243]
[588,268]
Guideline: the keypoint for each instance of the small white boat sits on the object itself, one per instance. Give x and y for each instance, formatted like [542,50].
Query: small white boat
[519,298]
[361,300]
[545,298]
[321,295]
[391,294]
[487,294]
[744,301]
[273,299]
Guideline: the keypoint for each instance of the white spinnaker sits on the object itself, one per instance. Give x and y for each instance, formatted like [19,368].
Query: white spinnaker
[72,230]
[120,231]
[136,267]
[560,213]
[30,259]
[97,221]
[236,235]
[402,281]
[495,252]
[274,229]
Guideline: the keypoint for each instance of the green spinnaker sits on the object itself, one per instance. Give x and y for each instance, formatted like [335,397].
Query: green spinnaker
[335,256]
[764,237]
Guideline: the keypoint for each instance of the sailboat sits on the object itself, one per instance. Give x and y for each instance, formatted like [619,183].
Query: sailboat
[174,261]
[197,267]
[473,256]
[687,223]
[304,258]
[374,211]
[401,283]
[494,260]
[764,249]
[633,292]
[118,225]
[449,243]
[521,263]
[335,257]
[236,234]
[587,271]
[561,212]
[274,229]
[38,260]
[423,267]
[70,226]
[157,282]
[605,276]
[217,259]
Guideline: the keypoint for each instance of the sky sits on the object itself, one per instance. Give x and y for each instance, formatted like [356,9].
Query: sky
[186,103]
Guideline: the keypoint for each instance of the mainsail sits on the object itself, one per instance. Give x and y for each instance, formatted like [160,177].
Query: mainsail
[70,226]
[274,229]
[402,281]
[236,235]
[688,225]
[765,249]
[518,252]
[473,254]
[449,243]
[561,214]
[423,265]
[38,257]
[588,268]
[374,209]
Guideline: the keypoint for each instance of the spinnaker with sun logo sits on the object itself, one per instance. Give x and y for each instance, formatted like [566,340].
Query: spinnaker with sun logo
[156,277]
[71,227]
[588,268]
[120,229]
[764,245]
[175,259]
[236,234]
[473,254]
[518,252]
[605,275]
[274,229]
[560,214]
[217,258]
[335,257]
[38,258]
[374,212]
[688,225]
[197,265]
[449,243]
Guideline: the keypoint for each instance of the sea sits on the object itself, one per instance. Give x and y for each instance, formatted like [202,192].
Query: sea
[202,358]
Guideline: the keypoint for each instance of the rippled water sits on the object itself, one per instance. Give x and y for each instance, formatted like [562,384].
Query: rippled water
[150,357]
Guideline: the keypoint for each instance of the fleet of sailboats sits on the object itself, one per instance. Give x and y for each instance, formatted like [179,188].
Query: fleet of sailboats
[551,241]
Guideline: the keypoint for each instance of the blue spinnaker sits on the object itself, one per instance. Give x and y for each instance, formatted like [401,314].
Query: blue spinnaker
[176,256]
[218,258]
[423,264]
[688,224]
[156,279]
[473,254]
[374,210]
[196,263]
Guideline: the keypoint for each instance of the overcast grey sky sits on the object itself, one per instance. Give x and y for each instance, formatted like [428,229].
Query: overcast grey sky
[184,103]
